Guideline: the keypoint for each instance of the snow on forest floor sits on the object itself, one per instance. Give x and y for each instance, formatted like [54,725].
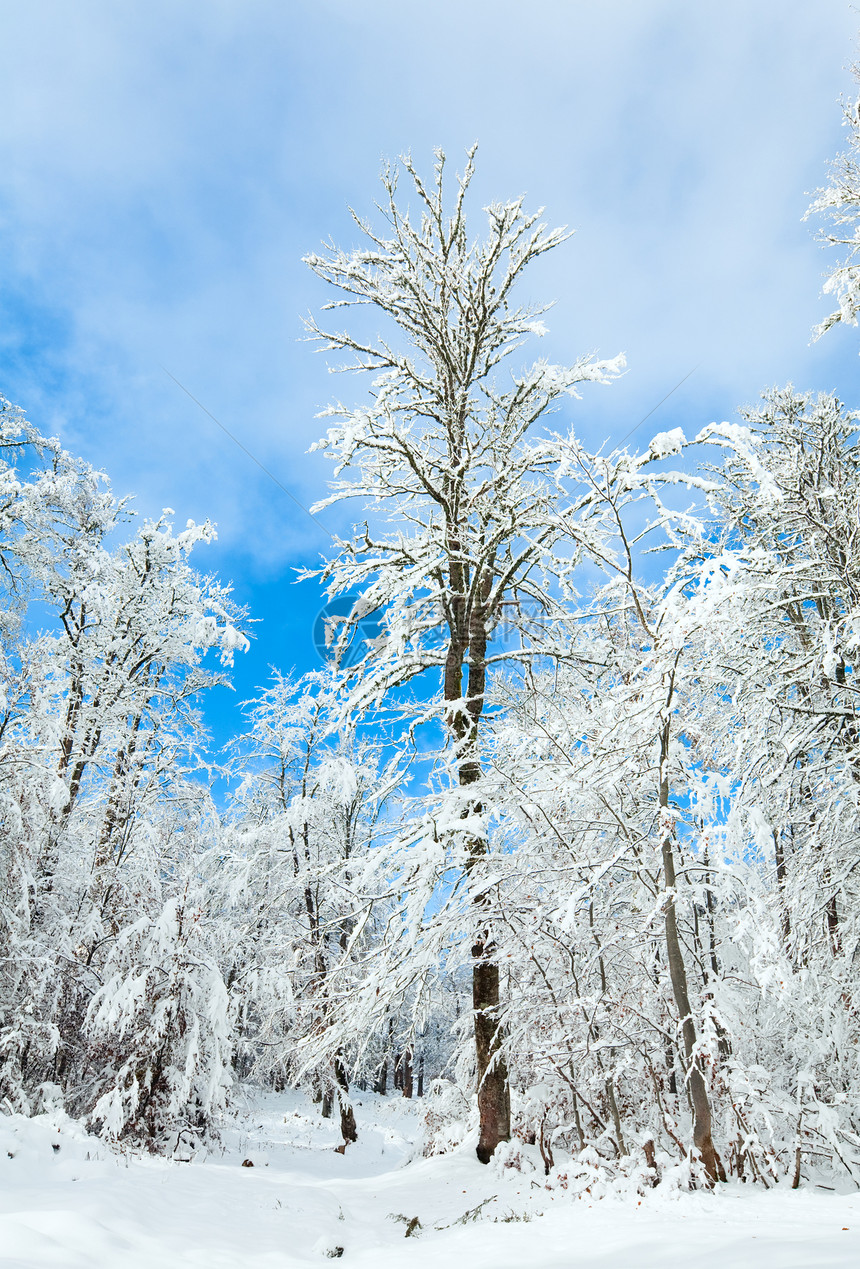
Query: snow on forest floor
[84,1207]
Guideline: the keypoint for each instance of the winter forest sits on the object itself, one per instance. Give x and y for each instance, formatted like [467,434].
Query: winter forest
[561,841]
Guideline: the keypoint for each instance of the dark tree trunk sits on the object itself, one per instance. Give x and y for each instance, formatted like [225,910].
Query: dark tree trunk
[406,1073]
[672,1080]
[469,634]
[382,1079]
[348,1130]
[833,925]
[420,1074]
[781,874]
[494,1098]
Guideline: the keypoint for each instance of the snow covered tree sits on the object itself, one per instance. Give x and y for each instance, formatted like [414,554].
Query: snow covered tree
[839,204]
[295,869]
[788,580]
[708,717]
[159,1033]
[449,452]
[790,505]
[23,499]
[98,795]
[626,753]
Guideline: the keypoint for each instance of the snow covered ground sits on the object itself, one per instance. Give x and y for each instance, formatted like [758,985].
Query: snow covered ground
[69,1203]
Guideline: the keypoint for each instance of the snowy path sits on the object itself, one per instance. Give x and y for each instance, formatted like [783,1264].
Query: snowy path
[301,1201]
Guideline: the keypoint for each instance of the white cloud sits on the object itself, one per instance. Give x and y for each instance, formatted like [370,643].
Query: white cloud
[166,166]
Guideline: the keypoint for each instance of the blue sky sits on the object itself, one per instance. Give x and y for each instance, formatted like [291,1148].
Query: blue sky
[166,165]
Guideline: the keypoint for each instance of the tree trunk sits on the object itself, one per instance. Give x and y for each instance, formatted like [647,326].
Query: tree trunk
[702,1137]
[494,1098]
[406,1067]
[781,873]
[348,1130]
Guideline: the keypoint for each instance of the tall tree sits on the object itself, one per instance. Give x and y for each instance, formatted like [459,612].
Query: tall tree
[449,451]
